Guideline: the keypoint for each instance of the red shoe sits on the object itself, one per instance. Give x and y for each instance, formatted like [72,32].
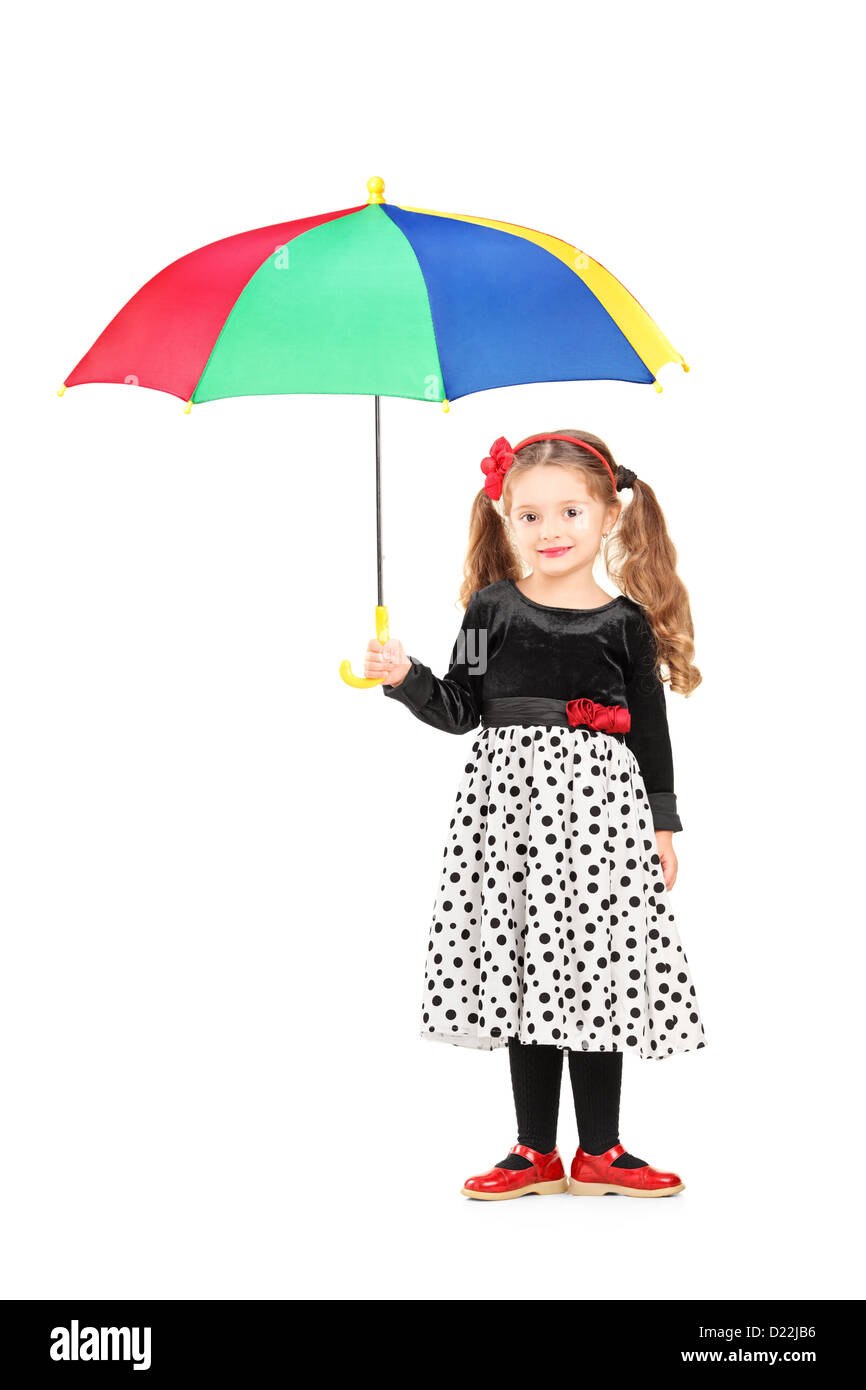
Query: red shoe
[593,1175]
[546,1175]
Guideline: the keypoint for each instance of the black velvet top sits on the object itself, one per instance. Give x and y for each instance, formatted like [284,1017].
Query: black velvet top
[509,645]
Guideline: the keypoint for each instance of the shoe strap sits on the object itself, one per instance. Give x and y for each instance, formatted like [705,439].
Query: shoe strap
[532,1154]
[613,1153]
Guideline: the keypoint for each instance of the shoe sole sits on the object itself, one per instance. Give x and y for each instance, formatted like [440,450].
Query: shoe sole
[544,1189]
[598,1189]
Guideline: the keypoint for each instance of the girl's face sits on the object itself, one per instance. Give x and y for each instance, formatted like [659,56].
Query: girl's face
[557,525]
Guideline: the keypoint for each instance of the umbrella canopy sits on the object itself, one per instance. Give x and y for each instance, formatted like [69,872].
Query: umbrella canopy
[378,300]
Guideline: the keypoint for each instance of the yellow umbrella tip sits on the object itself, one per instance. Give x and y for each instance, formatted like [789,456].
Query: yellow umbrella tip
[376,190]
[61,391]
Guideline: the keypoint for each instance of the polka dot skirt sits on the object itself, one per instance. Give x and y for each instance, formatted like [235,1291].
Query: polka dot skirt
[552,922]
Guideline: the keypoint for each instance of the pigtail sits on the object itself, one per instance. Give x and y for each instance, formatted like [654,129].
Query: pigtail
[641,559]
[490,554]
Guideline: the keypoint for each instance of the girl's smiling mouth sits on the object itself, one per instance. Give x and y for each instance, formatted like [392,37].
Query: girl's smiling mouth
[556,550]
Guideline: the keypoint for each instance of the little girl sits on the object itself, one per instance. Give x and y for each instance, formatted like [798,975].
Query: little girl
[552,929]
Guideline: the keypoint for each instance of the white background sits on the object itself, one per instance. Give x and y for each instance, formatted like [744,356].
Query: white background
[218,861]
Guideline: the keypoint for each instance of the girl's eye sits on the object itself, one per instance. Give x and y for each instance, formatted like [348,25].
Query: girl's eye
[569,511]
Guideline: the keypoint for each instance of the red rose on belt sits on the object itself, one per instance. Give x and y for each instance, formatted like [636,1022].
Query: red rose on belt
[615,719]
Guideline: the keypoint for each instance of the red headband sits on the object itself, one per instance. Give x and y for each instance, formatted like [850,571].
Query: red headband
[501,457]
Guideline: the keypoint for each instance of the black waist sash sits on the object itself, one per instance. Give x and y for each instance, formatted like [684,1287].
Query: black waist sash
[531,709]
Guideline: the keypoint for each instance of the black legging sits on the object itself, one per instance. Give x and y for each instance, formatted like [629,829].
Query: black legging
[536,1078]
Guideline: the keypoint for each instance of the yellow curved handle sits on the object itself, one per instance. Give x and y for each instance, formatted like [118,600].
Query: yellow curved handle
[359,682]
[380,620]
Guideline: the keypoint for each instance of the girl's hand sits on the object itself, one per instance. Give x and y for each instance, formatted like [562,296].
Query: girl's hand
[388,663]
[667,854]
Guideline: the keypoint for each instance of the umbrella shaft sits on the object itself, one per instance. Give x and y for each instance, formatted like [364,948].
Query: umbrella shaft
[379,598]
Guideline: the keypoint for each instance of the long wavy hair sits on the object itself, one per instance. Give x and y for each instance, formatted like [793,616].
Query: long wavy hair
[639,555]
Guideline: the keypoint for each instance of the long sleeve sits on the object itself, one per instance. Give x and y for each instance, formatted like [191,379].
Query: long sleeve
[451,702]
[649,738]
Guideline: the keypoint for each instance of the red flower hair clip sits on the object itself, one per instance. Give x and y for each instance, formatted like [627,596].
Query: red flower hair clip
[495,466]
[615,719]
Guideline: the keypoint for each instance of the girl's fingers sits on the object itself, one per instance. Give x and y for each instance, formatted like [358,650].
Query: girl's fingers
[390,654]
[375,665]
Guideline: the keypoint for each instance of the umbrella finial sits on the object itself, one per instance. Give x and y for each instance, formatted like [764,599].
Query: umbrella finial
[376,190]
[61,391]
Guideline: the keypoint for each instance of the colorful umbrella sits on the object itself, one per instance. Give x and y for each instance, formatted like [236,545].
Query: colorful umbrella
[377,300]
